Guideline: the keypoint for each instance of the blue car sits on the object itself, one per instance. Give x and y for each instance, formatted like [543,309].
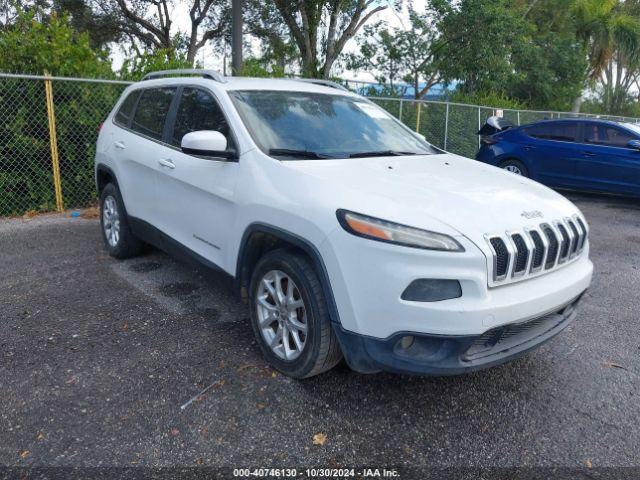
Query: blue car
[590,155]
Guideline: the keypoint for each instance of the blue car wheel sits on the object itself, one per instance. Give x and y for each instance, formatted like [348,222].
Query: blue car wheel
[515,166]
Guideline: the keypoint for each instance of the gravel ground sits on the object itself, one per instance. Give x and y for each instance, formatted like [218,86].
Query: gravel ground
[99,357]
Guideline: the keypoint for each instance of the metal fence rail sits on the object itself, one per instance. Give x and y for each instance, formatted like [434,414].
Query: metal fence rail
[49,127]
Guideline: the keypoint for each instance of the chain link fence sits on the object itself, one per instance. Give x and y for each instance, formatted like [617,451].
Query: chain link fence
[48,132]
[49,127]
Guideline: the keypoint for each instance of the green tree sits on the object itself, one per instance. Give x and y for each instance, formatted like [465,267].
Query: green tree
[264,22]
[478,38]
[550,65]
[610,29]
[138,64]
[102,29]
[525,50]
[380,53]
[321,28]
[53,45]
[412,54]
[261,68]
[548,71]
[150,24]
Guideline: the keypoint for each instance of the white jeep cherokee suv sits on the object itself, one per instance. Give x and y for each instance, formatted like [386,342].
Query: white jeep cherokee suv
[348,234]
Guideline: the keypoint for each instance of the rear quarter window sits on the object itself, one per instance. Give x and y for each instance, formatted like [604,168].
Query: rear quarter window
[561,132]
[123,116]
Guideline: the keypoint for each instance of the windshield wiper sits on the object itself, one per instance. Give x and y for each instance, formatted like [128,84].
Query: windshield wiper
[381,153]
[287,152]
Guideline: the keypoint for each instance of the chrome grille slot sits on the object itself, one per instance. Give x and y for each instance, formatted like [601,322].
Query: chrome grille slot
[552,254]
[539,250]
[522,254]
[583,236]
[576,238]
[532,251]
[501,257]
[564,242]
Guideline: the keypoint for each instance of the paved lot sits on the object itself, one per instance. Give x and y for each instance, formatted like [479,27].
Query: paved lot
[98,356]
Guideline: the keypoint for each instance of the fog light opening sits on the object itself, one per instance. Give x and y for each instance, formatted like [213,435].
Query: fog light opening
[432,290]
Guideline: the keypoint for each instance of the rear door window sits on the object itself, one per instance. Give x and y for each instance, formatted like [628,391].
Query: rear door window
[123,116]
[198,110]
[561,132]
[152,111]
[606,135]
[541,131]
[565,132]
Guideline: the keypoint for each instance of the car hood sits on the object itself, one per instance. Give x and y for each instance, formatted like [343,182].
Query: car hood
[472,198]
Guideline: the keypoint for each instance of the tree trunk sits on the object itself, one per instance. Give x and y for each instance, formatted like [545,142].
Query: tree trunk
[309,68]
[326,73]
[577,104]
[191,52]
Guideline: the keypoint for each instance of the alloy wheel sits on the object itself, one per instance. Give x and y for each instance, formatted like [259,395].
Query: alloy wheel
[513,169]
[111,220]
[282,315]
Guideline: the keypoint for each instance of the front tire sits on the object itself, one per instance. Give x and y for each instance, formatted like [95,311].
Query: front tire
[118,239]
[289,316]
[515,166]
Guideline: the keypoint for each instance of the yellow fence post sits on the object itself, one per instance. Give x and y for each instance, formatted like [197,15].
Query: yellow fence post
[418,117]
[53,140]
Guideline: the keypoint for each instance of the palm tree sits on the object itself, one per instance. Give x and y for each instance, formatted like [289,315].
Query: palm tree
[610,30]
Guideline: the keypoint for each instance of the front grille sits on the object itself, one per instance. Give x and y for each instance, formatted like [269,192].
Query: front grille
[523,253]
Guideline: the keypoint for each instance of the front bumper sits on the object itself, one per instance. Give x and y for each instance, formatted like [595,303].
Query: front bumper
[452,355]
[368,279]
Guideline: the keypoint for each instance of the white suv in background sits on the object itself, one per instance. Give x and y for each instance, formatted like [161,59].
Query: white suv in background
[348,234]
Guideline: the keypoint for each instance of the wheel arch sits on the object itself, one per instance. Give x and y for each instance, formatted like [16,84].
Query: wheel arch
[510,156]
[259,238]
[104,175]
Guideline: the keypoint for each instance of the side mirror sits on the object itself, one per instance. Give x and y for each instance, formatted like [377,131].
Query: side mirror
[209,143]
[634,144]
[420,136]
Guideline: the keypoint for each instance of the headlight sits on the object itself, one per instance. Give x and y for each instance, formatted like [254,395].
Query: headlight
[383,231]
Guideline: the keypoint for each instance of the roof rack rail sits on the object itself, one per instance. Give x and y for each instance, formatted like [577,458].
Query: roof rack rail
[210,74]
[326,83]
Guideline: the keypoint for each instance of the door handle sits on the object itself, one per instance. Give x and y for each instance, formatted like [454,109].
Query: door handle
[119,145]
[529,147]
[588,154]
[165,162]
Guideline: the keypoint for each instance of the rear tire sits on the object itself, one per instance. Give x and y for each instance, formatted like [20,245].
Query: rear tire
[290,317]
[118,239]
[515,166]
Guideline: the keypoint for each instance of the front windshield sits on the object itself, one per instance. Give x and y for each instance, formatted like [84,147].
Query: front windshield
[299,125]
